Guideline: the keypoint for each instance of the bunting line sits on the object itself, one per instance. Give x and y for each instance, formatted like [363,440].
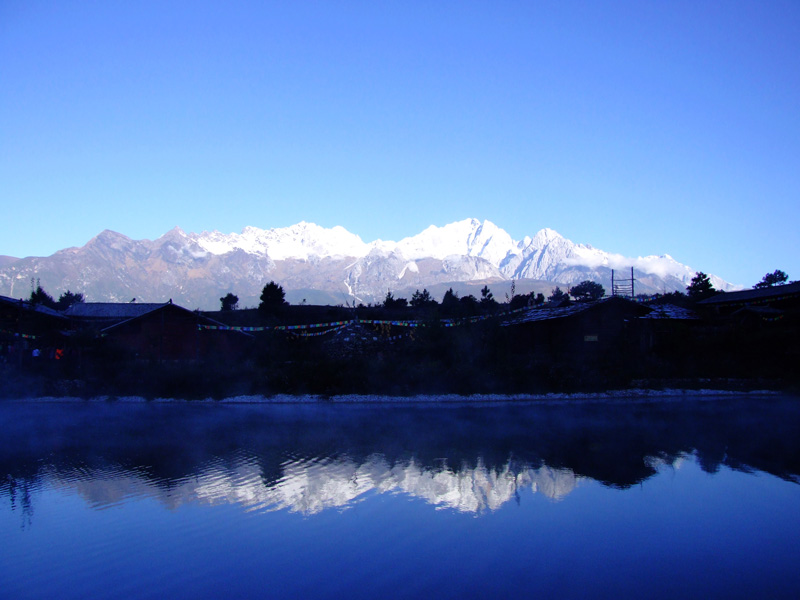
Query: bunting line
[772,319]
[339,324]
[26,336]
[319,333]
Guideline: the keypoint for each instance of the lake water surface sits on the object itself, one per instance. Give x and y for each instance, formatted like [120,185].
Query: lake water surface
[694,498]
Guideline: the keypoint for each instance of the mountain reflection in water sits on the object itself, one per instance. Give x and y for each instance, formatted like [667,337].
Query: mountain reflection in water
[307,459]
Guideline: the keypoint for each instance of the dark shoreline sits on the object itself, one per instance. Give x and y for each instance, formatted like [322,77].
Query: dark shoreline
[632,395]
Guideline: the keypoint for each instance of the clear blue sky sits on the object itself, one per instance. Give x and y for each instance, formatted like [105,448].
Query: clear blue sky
[638,127]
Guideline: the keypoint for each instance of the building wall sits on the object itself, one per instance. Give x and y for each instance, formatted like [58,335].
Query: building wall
[171,333]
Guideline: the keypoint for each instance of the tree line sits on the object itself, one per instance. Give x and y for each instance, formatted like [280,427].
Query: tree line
[42,298]
[273,296]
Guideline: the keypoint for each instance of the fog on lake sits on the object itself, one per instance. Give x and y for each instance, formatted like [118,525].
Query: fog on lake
[683,497]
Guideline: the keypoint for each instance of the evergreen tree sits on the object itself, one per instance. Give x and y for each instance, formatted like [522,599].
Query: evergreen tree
[39,296]
[700,287]
[391,302]
[487,298]
[422,299]
[229,302]
[450,300]
[777,277]
[523,300]
[272,298]
[67,299]
[558,295]
[520,301]
[469,304]
[587,290]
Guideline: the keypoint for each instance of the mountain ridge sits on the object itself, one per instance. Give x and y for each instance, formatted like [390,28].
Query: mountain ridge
[198,268]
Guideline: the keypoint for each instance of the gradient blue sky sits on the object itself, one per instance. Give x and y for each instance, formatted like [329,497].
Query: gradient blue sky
[637,127]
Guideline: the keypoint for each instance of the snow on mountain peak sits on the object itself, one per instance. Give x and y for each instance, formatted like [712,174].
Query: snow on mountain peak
[464,251]
[544,256]
[469,237]
[300,241]
[545,236]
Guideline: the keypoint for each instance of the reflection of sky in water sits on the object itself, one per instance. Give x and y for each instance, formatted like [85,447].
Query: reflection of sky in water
[309,486]
[113,501]
[682,533]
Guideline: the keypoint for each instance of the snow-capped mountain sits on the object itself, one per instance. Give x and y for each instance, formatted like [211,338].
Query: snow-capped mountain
[302,241]
[310,486]
[328,265]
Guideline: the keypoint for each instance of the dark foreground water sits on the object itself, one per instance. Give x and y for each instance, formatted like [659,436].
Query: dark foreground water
[651,500]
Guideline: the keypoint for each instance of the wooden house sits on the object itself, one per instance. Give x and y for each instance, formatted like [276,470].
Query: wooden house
[577,330]
[26,327]
[750,304]
[666,323]
[159,331]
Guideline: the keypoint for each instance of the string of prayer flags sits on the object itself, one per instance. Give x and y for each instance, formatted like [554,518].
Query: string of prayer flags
[26,336]
[338,324]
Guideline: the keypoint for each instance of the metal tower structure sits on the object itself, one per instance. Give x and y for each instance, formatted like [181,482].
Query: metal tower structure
[622,287]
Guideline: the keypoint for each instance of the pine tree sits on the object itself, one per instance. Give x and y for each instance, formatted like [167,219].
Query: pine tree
[67,299]
[272,298]
[587,290]
[422,299]
[777,277]
[700,287]
[229,302]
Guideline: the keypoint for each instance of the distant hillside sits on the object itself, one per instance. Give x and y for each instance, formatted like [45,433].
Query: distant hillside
[7,260]
[331,266]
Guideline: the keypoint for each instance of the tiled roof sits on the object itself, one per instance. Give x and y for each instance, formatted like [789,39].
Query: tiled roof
[559,312]
[111,310]
[669,311]
[755,295]
[38,308]
[544,314]
[111,315]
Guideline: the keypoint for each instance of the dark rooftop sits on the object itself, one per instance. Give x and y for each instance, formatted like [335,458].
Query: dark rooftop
[669,311]
[38,308]
[111,310]
[754,295]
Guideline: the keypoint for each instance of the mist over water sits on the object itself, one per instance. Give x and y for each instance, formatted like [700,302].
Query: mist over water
[122,500]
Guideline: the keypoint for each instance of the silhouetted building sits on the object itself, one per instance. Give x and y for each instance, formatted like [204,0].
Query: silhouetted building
[578,330]
[784,298]
[159,331]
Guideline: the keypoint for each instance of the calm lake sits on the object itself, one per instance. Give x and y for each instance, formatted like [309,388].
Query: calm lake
[694,498]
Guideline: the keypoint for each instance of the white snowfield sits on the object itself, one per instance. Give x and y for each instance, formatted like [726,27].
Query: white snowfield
[197,268]
[542,256]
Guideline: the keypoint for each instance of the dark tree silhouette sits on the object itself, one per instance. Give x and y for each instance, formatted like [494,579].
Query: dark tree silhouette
[391,302]
[39,296]
[469,304]
[450,300]
[510,298]
[700,287]
[523,300]
[272,298]
[487,298]
[520,301]
[777,277]
[422,299]
[67,299]
[229,302]
[558,295]
[587,290]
